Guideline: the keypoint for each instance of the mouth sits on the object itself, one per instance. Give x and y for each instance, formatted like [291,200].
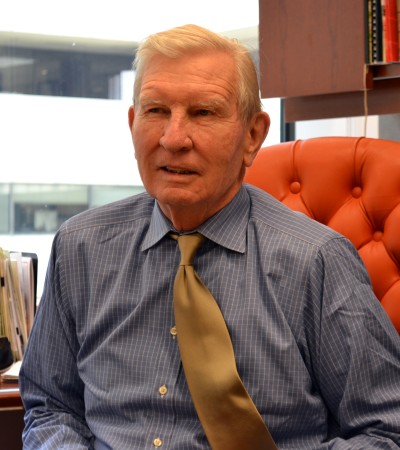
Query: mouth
[177,170]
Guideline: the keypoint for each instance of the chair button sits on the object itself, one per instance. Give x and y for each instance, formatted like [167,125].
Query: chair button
[295,187]
[356,192]
[377,236]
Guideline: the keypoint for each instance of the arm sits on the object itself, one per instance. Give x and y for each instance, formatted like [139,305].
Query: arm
[51,389]
[358,355]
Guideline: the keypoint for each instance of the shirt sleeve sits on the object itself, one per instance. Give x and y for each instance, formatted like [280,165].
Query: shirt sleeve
[357,353]
[51,389]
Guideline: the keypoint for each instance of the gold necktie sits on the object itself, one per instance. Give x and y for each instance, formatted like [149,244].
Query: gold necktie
[225,409]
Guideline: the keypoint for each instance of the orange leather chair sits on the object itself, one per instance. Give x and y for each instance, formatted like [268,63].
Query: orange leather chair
[353,186]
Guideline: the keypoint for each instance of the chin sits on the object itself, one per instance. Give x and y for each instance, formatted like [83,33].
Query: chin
[176,197]
[178,200]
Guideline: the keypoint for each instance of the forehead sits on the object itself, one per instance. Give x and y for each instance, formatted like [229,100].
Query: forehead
[197,74]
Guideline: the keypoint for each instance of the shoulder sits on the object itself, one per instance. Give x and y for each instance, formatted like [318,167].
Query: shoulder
[298,241]
[120,213]
[268,213]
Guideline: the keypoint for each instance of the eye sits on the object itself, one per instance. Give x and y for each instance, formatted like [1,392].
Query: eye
[203,112]
[154,110]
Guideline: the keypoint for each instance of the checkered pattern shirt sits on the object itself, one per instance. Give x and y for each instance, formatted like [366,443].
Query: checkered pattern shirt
[313,346]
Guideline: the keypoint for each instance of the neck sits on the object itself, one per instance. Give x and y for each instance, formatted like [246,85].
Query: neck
[185,218]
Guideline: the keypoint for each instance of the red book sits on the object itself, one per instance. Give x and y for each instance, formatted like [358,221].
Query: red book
[390,30]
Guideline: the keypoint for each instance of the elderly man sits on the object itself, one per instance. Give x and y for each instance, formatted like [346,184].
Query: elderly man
[268,335]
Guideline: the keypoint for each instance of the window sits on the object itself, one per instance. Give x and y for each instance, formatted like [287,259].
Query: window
[4,208]
[66,84]
[42,208]
[62,66]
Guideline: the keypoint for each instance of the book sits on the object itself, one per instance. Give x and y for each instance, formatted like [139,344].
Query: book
[17,298]
[25,275]
[398,26]
[12,374]
[368,31]
[390,30]
[376,31]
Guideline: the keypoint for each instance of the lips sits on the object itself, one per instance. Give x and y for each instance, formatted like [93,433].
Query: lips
[178,170]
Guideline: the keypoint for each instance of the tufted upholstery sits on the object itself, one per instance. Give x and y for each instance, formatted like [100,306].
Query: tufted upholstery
[353,186]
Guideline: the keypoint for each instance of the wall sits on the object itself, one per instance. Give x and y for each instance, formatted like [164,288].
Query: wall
[66,140]
[353,126]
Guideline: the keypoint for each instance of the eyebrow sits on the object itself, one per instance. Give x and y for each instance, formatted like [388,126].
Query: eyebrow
[212,103]
[149,101]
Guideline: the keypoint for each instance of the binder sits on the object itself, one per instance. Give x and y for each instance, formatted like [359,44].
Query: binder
[18,291]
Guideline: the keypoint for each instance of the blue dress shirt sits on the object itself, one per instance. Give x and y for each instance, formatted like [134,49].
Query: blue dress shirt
[314,347]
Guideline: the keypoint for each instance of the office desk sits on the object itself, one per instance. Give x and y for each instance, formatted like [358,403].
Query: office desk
[11,416]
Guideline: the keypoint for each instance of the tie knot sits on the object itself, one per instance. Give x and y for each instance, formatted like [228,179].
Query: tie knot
[188,245]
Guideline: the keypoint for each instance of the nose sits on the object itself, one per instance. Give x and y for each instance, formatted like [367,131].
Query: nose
[176,134]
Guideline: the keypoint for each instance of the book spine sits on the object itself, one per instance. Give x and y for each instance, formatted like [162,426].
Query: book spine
[390,30]
[398,26]
[368,30]
[377,31]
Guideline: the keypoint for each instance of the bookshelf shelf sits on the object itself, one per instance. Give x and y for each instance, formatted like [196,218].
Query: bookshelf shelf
[9,395]
[385,71]
[312,54]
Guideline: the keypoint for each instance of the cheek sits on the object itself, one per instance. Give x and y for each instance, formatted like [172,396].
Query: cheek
[229,158]
[142,143]
[224,172]
[139,147]
[144,132]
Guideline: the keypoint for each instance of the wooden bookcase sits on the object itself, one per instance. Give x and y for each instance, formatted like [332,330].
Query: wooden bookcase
[11,416]
[313,53]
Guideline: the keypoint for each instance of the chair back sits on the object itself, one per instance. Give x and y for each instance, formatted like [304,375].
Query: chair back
[353,186]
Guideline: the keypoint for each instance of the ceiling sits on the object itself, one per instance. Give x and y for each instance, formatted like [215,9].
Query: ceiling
[118,24]
[249,37]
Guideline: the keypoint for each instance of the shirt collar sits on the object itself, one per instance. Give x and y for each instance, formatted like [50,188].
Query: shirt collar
[226,228]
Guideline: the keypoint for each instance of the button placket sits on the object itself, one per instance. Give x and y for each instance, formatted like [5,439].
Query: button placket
[163,390]
[173,331]
[157,442]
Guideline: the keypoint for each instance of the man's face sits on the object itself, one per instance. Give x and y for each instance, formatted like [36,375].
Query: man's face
[190,143]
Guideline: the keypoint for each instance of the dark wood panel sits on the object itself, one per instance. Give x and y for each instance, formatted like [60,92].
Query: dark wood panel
[9,395]
[11,426]
[384,98]
[311,47]
[11,416]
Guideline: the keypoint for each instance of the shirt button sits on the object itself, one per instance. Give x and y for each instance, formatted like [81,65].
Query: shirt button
[157,442]
[163,390]
[173,331]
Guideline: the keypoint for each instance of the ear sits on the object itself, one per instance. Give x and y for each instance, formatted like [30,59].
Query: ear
[256,133]
[131,116]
